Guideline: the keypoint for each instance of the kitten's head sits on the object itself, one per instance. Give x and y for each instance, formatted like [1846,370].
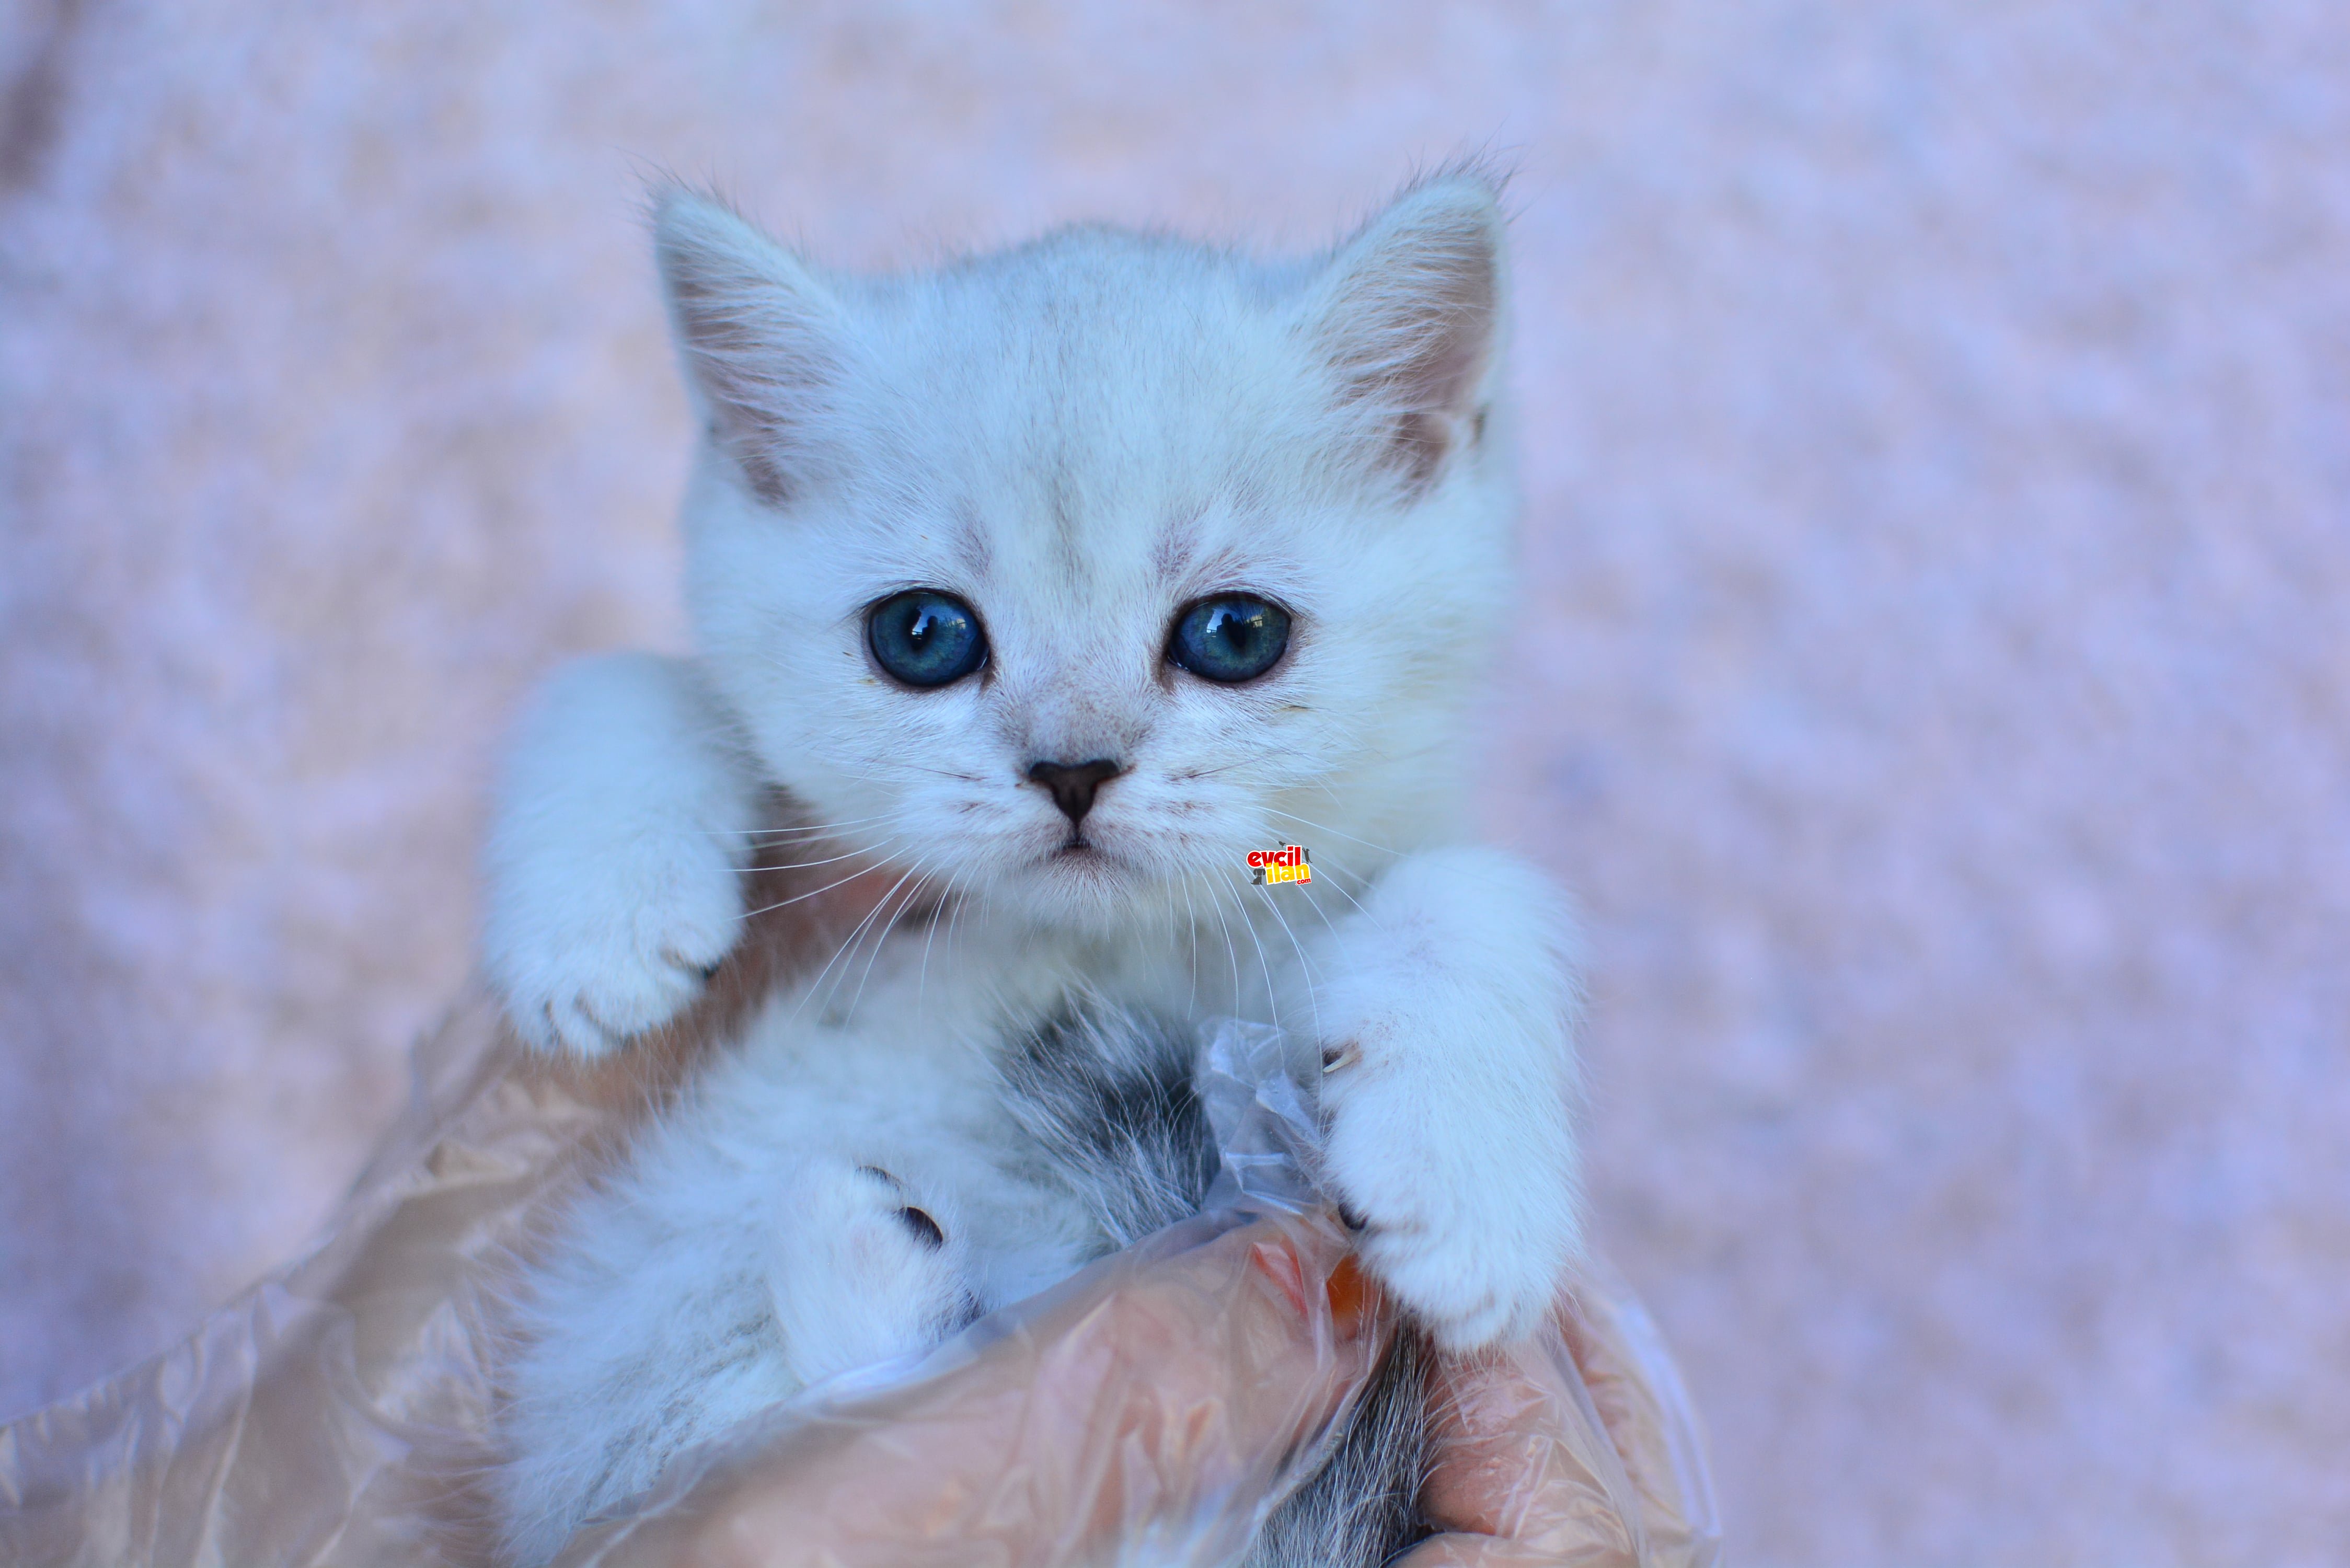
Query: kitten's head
[1070,575]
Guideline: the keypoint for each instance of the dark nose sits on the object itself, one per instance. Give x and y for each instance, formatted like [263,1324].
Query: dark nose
[1073,784]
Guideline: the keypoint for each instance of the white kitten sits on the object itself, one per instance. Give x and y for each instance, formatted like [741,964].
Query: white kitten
[1054,582]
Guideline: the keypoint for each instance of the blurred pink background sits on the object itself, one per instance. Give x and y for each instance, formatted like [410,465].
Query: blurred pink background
[1934,673]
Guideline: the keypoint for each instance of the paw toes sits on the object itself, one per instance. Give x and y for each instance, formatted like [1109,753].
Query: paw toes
[690,970]
[1464,1311]
[580,1029]
[585,1011]
[535,1025]
[925,1229]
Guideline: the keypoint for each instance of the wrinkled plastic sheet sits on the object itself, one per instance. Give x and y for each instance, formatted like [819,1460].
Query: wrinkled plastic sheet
[1150,1409]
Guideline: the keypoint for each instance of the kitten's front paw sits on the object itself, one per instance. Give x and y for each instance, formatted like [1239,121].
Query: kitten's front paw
[590,947]
[870,1267]
[1448,1089]
[1469,1222]
[612,887]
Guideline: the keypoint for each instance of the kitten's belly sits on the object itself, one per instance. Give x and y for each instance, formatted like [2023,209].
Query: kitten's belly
[831,1193]
[846,1185]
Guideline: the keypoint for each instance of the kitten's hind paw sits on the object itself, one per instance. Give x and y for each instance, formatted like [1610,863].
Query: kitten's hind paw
[870,1267]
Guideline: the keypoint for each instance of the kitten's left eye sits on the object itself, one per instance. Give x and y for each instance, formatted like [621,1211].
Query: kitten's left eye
[925,638]
[1229,637]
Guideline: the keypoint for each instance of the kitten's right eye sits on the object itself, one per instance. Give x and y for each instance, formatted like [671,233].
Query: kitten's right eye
[925,638]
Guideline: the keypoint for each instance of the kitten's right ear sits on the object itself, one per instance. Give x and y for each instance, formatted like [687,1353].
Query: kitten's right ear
[761,335]
[1409,313]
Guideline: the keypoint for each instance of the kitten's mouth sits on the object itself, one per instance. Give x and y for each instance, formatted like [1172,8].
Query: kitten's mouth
[1079,861]
[1079,853]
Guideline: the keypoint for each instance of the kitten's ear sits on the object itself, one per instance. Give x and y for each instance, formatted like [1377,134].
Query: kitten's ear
[1407,313]
[760,334]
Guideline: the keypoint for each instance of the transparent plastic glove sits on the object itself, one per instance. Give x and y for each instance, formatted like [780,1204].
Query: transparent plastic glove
[1148,1406]
[1143,1414]
[1517,1477]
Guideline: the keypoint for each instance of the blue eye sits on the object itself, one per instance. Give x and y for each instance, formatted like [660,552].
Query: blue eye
[925,638]
[1231,637]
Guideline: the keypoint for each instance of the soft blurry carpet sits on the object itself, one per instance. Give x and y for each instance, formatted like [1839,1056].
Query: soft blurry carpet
[1934,674]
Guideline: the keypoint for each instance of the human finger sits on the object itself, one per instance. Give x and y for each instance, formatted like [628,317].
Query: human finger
[1572,1447]
[1520,1472]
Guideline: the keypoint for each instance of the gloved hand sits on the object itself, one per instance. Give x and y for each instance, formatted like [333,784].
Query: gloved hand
[1152,1402]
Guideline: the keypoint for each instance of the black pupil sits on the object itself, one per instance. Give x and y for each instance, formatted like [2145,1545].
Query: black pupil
[1239,630]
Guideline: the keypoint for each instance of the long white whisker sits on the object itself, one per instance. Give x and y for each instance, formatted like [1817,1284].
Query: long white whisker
[1325,827]
[1337,881]
[954,917]
[1304,964]
[1314,901]
[1231,953]
[1265,963]
[875,922]
[912,894]
[797,828]
[814,892]
[1191,920]
[922,975]
[828,861]
[856,932]
[847,946]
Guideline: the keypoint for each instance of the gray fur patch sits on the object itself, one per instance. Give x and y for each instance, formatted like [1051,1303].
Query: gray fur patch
[1110,1100]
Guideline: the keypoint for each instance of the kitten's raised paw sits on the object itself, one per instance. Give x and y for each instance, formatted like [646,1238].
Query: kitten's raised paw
[1472,1234]
[588,954]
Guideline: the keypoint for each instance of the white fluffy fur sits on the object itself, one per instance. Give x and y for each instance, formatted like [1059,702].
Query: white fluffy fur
[1078,437]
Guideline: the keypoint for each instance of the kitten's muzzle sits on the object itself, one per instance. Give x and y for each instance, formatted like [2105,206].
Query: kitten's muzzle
[1073,784]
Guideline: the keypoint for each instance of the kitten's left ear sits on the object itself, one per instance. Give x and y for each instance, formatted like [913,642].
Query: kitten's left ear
[761,336]
[1408,315]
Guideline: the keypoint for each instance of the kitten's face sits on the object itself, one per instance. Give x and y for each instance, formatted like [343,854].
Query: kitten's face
[1068,577]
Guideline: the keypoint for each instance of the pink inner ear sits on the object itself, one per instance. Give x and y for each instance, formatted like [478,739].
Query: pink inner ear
[750,352]
[1433,387]
[1453,337]
[1410,332]
[751,367]
[723,350]
[1421,441]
